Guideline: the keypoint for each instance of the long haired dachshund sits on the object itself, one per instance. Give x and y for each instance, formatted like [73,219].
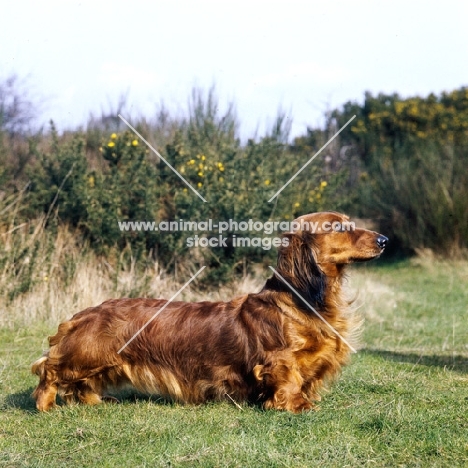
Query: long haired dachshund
[279,347]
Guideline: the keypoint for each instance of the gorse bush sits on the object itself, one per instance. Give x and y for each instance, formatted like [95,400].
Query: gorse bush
[58,181]
[401,161]
[413,157]
[123,191]
[131,183]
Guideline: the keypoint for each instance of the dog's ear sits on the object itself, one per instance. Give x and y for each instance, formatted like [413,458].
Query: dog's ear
[298,266]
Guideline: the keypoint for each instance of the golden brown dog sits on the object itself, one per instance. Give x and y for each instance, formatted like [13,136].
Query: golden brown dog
[269,347]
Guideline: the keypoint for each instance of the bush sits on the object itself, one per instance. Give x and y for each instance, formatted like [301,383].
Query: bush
[413,157]
[58,181]
[130,183]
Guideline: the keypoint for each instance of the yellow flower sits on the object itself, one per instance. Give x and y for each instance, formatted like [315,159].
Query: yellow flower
[135,143]
[297,205]
[113,136]
[318,196]
[91,181]
[192,161]
[267,182]
[323,184]
[203,157]
[110,144]
[221,179]
[46,278]
[200,174]
[184,190]
[199,184]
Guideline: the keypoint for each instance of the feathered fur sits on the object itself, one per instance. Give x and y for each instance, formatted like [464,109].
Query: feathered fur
[267,348]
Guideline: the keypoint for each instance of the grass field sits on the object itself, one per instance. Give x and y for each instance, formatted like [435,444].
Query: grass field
[402,402]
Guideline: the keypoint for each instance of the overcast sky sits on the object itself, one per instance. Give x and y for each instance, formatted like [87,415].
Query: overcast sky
[303,57]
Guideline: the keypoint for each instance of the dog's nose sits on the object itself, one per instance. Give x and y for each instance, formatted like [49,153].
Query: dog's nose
[382,241]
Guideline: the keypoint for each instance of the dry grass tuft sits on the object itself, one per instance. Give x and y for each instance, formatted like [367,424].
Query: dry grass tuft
[47,277]
[374,299]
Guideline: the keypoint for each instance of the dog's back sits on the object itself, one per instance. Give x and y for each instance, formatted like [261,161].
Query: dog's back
[191,352]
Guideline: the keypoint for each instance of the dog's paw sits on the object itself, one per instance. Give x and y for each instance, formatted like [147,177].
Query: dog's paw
[295,403]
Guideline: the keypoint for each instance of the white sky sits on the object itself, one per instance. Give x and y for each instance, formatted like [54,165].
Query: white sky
[304,57]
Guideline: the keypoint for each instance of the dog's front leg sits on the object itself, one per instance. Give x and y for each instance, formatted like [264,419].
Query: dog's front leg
[284,382]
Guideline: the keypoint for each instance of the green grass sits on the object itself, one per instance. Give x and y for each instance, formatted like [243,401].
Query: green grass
[402,402]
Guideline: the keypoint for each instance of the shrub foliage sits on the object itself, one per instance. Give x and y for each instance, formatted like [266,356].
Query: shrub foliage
[414,154]
[402,161]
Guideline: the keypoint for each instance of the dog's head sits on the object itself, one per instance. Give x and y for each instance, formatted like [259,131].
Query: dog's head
[336,240]
[319,246]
